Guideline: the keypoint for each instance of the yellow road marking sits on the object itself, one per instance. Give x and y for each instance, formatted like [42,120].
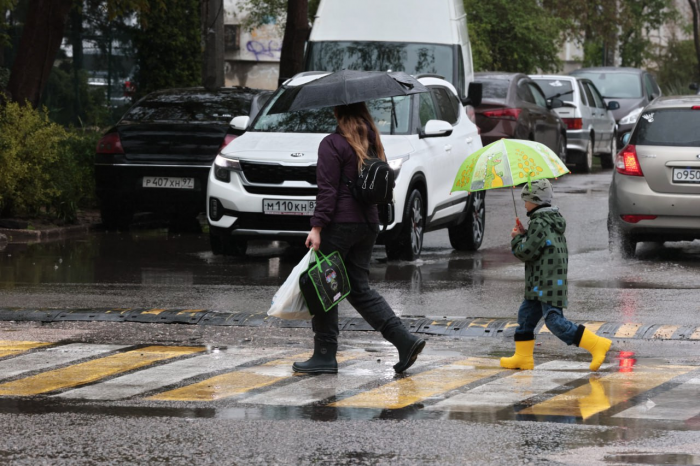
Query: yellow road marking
[593,326]
[602,393]
[410,390]
[190,311]
[13,348]
[481,323]
[92,371]
[544,329]
[511,325]
[627,330]
[154,312]
[666,331]
[119,310]
[242,381]
[696,334]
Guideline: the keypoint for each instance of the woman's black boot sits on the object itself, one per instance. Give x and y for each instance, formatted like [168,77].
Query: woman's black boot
[409,346]
[322,362]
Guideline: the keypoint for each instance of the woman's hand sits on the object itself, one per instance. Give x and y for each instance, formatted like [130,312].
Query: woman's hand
[313,241]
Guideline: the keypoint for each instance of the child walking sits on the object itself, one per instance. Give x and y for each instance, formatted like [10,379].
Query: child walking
[543,249]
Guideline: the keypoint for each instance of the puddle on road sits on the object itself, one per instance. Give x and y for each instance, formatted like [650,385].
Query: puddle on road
[653,458]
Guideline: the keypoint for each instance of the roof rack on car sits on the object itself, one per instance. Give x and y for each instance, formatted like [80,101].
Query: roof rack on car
[429,75]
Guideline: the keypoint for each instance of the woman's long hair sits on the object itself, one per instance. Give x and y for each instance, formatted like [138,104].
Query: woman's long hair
[352,122]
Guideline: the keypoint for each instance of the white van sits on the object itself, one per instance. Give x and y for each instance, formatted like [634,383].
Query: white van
[419,37]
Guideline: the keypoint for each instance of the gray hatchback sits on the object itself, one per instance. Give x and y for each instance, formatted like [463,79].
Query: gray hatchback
[655,192]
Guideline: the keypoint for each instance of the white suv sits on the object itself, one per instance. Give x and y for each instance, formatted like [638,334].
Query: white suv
[263,184]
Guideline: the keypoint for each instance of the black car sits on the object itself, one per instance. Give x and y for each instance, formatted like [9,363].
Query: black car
[514,106]
[632,88]
[157,157]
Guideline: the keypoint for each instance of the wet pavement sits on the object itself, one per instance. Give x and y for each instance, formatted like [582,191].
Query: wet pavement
[118,393]
[158,269]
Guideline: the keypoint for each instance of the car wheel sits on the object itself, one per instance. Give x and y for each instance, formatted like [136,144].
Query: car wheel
[116,218]
[562,148]
[606,160]
[585,162]
[409,243]
[222,244]
[468,235]
[621,241]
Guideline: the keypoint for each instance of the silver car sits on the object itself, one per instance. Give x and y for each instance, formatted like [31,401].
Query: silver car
[655,192]
[591,127]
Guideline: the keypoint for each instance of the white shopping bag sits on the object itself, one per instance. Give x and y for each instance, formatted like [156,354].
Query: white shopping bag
[288,302]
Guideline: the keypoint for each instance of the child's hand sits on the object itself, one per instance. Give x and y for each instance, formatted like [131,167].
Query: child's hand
[515,232]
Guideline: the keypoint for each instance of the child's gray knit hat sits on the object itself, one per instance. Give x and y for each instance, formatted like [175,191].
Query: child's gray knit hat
[538,192]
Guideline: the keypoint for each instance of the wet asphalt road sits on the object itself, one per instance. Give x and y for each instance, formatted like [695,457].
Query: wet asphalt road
[154,268]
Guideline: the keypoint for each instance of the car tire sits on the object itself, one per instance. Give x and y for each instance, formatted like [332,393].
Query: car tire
[621,241]
[468,235]
[562,148]
[409,243]
[222,244]
[585,162]
[607,160]
[116,218]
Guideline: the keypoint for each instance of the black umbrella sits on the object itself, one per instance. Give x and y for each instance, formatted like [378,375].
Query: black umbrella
[347,87]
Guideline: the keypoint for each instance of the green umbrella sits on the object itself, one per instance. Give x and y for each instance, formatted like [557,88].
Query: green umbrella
[508,162]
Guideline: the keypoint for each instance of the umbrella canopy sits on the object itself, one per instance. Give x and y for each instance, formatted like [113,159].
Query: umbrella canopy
[508,162]
[347,87]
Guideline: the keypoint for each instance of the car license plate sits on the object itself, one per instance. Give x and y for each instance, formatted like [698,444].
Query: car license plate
[686,175]
[287,207]
[168,182]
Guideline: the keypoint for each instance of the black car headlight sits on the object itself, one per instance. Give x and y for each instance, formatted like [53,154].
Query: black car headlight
[223,167]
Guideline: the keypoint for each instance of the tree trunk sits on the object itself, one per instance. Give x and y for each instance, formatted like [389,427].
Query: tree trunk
[695,6]
[41,39]
[76,37]
[296,32]
[213,41]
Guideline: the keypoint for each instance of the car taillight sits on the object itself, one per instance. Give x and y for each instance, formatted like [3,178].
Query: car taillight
[695,107]
[627,162]
[573,123]
[110,144]
[227,140]
[636,218]
[504,113]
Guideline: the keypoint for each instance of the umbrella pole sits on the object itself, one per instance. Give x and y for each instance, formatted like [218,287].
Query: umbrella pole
[514,207]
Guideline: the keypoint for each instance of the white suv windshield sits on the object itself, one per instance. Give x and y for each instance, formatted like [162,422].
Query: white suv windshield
[615,85]
[321,120]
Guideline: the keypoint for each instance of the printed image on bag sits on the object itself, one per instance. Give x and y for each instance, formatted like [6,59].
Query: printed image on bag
[325,283]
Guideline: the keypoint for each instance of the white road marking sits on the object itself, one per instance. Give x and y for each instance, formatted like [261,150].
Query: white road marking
[52,357]
[168,374]
[678,404]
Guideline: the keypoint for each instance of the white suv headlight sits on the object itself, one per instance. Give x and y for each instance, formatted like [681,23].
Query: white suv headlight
[396,163]
[223,166]
[632,116]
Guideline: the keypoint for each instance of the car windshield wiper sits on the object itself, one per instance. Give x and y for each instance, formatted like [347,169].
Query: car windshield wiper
[562,93]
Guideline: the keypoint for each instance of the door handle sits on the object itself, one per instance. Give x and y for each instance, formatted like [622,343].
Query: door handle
[448,147]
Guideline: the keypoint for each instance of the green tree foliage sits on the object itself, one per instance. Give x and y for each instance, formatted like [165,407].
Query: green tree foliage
[677,67]
[168,44]
[513,36]
[43,167]
[638,19]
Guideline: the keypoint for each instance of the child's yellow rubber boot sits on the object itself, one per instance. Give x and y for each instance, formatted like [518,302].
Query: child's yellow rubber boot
[522,359]
[597,346]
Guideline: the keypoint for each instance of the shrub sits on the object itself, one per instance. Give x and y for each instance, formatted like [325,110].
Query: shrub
[43,167]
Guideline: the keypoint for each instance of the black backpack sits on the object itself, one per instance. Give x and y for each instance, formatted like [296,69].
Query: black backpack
[374,184]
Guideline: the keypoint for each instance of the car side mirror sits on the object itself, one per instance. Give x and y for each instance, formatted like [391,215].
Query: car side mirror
[474,94]
[556,103]
[626,138]
[613,105]
[240,123]
[694,87]
[436,129]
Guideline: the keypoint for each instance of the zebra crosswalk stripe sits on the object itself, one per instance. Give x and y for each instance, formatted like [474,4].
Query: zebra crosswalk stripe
[413,389]
[678,404]
[13,348]
[153,378]
[602,392]
[92,371]
[242,381]
[51,357]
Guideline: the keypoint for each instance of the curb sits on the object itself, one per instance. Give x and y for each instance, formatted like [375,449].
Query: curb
[49,234]
[426,325]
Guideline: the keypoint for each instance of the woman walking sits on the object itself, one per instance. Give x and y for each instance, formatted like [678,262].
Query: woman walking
[341,223]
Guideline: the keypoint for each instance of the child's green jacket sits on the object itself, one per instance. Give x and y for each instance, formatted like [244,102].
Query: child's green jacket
[543,249]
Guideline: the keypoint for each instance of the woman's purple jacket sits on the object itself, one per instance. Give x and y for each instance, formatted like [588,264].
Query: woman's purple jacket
[334,202]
